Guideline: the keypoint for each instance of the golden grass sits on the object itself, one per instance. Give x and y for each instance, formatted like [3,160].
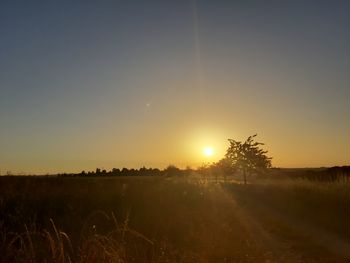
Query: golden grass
[54,245]
[154,219]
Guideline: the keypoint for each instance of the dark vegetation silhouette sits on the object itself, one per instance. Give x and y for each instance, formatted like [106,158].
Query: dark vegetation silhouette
[245,158]
[327,175]
[248,157]
[171,170]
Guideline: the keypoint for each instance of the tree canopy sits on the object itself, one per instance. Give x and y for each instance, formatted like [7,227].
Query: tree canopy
[247,156]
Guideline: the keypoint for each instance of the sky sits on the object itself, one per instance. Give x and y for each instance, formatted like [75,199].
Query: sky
[86,84]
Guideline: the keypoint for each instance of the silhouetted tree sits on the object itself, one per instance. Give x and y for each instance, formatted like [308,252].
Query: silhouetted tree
[247,156]
[172,170]
[223,167]
[115,171]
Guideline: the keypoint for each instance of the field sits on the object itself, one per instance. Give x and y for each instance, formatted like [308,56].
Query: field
[172,219]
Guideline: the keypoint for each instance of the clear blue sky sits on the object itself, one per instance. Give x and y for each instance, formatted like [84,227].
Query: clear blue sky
[87,84]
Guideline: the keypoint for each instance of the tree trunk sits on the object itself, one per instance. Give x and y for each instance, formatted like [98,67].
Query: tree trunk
[245,176]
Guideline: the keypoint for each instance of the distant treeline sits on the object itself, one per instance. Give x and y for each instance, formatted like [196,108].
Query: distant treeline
[169,171]
[333,174]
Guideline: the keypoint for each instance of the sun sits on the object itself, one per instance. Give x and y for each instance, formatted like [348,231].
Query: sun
[208,151]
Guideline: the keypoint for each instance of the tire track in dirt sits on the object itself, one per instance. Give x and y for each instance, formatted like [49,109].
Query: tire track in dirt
[282,251]
[270,248]
[329,241]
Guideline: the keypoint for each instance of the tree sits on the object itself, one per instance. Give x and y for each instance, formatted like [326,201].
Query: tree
[221,168]
[247,156]
[172,170]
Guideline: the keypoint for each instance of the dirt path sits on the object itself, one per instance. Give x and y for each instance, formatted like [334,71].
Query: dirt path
[259,244]
[293,241]
[273,250]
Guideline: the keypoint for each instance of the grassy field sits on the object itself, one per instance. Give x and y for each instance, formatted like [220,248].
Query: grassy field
[172,219]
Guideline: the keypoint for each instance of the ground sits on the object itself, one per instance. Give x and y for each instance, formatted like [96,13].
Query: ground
[173,219]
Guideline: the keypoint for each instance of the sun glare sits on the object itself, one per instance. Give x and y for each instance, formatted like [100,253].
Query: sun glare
[208,151]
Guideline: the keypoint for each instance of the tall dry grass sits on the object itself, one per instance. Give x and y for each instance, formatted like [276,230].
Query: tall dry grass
[54,245]
[154,219]
[137,219]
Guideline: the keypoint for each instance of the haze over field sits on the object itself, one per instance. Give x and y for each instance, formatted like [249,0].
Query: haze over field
[113,83]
